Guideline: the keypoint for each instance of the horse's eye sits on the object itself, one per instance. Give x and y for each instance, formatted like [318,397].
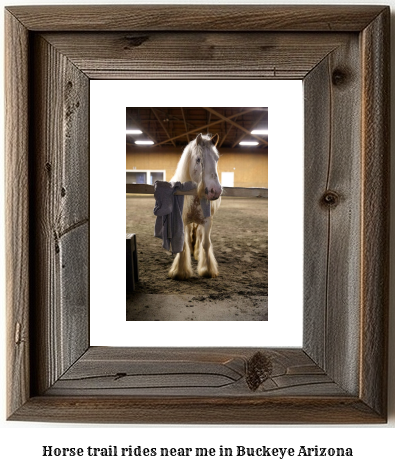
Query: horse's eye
[198,160]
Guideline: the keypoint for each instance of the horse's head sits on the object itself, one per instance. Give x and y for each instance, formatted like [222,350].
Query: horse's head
[203,166]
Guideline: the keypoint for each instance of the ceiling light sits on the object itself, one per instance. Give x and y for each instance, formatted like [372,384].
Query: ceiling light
[133,131]
[144,142]
[245,142]
[260,132]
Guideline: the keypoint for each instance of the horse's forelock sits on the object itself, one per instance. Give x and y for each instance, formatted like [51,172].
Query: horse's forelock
[192,150]
[205,143]
[205,139]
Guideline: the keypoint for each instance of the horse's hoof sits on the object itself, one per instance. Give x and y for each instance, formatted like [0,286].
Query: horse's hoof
[180,276]
[206,273]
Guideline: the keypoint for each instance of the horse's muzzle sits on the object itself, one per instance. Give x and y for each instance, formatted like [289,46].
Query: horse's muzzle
[213,194]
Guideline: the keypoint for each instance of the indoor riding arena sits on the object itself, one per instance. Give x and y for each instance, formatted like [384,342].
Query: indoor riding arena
[155,140]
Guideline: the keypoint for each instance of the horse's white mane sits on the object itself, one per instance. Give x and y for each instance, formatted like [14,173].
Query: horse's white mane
[182,171]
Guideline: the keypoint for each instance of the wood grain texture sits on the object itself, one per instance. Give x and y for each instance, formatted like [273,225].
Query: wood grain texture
[339,376]
[167,385]
[17,213]
[61,207]
[198,410]
[200,55]
[203,372]
[332,214]
[375,212]
[317,151]
[196,18]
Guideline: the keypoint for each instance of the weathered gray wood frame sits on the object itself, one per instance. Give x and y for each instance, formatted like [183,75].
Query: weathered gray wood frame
[340,374]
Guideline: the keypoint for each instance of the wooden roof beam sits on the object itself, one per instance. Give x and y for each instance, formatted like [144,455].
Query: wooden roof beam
[247,133]
[235,123]
[163,126]
[225,135]
[185,123]
[139,125]
[212,124]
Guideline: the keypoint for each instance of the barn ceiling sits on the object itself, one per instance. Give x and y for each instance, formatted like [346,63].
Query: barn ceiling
[168,127]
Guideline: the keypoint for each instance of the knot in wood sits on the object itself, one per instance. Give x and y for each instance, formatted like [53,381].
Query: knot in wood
[18,335]
[120,375]
[339,77]
[135,41]
[330,199]
[259,369]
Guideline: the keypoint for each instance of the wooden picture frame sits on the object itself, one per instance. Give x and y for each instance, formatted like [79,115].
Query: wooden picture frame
[340,373]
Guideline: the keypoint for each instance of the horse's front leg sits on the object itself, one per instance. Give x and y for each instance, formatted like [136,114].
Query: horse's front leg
[181,268]
[207,264]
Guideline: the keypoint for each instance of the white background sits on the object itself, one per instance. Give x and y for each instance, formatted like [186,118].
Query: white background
[20,443]
[285,101]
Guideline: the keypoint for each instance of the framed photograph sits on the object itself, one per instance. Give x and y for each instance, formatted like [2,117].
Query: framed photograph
[218,256]
[339,375]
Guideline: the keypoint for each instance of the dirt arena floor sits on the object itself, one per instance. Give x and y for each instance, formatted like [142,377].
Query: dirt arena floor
[239,293]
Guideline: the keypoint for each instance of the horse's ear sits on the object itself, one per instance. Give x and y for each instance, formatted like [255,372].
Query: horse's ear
[215,136]
[199,139]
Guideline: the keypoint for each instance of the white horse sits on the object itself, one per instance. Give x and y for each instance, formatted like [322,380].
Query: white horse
[198,163]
